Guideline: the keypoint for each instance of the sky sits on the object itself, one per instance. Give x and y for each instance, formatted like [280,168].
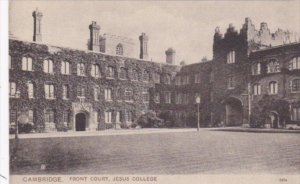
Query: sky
[187,26]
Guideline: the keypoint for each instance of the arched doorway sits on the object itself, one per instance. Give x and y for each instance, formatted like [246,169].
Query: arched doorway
[80,122]
[274,119]
[233,112]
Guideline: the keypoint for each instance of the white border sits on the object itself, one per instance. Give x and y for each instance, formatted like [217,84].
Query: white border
[4,156]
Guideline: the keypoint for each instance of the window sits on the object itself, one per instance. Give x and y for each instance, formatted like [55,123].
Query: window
[178,98]
[177,80]
[185,98]
[26,64]
[49,91]
[156,97]
[145,95]
[256,69]
[48,66]
[108,117]
[9,62]
[65,67]
[80,69]
[80,91]
[129,116]
[123,73]
[12,89]
[256,89]
[107,94]
[273,66]
[66,118]
[231,57]
[65,93]
[118,94]
[295,63]
[296,114]
[146,76]
[231,82]
[95,71]
[96,93]
[30,89]
[167,97]
[296,85]
[197,78]
[49,116]
[185,80]
[167,79]
[30,117]
[110,72]
[118,117]
[119,49]
[128,94]
[156,77]
[273,87]
[135,75]
[12,118]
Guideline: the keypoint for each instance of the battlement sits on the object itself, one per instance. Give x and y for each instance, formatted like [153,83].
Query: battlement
[261,38]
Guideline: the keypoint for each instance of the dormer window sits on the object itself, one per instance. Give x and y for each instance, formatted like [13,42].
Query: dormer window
[119,49]
[231,57]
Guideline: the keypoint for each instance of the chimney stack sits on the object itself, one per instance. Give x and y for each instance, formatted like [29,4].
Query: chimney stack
[94,43]
[144,46]
[37,25]
[170,56]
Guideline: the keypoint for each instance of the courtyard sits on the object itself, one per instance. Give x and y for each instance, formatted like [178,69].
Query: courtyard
[178,152]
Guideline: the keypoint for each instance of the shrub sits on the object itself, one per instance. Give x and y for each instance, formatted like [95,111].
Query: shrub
[150,120]
[25,127]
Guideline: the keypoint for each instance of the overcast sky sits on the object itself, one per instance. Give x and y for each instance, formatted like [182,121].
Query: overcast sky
[188,27]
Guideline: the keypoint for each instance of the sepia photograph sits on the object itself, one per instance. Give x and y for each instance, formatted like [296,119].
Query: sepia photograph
[136,91]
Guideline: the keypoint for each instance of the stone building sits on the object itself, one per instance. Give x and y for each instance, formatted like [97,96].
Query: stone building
[58,89]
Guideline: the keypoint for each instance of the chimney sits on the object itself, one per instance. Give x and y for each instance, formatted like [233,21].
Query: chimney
[144,46]
[37,25]
[170,56]
[94,43]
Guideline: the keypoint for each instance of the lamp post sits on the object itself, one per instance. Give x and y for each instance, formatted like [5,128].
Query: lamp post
[17,118]
[198,101]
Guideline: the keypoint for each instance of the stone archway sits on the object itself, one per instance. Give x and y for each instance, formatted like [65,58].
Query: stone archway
[233,112]
[80,122]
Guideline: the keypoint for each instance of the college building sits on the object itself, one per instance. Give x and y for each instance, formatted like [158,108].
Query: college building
[252,72]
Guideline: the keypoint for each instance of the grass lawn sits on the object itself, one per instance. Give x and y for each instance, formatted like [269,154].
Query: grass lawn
[206,152]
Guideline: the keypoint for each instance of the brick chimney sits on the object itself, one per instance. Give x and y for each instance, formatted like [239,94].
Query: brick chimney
[37,25]
[143,46]
[170,56]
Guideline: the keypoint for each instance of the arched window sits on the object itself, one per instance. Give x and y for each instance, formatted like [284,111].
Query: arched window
[110,72]
[65,67]
[26,64]
[119,49]
[273,66]
[135,75]
[123,73]
[95,71]
[48,66]
[80,69]
[256,89]
[273,87]
[296,85]
[30,89]
[294,63]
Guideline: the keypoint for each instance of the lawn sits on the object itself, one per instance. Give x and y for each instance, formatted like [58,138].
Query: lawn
[204,152]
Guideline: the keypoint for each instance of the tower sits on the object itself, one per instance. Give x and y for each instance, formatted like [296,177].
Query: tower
[37,25]
[170,56]
[94,43]
[143,46]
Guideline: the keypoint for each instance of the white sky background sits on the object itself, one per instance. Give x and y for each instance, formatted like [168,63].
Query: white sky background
[186,26]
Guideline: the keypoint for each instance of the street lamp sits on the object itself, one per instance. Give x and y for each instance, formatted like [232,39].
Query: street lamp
[17,118]
[198,101]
